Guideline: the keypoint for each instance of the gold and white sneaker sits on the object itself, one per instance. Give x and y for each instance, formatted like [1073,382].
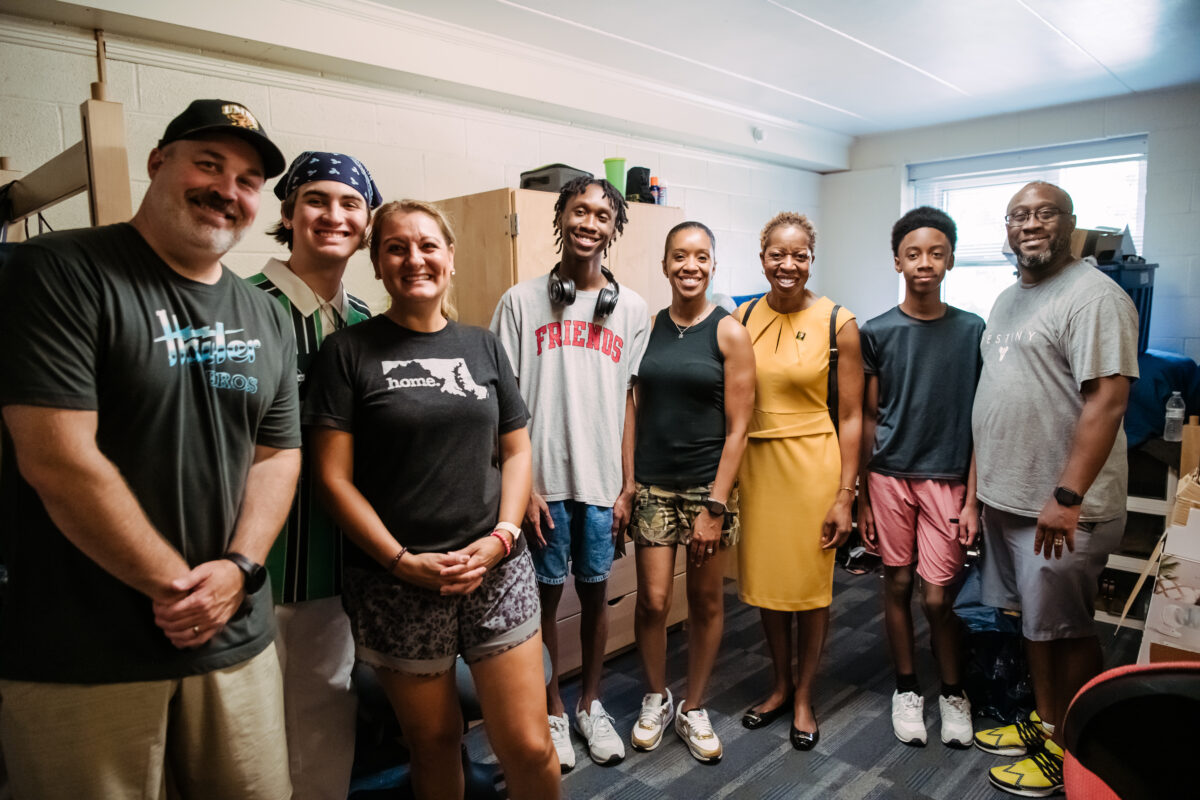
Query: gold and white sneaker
[654,718]
[696,730]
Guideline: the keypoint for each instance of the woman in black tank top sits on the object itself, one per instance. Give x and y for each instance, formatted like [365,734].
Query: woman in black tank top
[695,394]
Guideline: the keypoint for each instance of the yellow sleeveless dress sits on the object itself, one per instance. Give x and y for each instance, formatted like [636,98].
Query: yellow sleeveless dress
[792,467]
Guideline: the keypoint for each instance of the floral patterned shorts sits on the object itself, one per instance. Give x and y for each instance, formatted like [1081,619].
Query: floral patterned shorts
[409,629]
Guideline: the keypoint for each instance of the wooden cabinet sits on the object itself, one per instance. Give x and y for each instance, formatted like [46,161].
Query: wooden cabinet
[507,235]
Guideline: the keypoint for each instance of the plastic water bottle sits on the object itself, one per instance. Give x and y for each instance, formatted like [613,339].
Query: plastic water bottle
[1173,428]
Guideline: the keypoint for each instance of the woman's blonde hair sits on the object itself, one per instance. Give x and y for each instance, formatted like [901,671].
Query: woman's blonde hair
[786,219]
[396,207]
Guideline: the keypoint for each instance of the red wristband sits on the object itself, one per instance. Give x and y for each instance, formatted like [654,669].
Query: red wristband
[503,541]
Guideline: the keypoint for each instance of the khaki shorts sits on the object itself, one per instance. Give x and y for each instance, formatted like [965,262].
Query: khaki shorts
[216,735]
[663,516]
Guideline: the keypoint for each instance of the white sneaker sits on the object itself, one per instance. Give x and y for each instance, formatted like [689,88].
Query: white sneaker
[595,725]
[560,734]
[655,716]
[908,717]
[695,729]
[957,730]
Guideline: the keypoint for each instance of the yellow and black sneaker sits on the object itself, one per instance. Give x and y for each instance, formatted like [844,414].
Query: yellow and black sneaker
[1019,739]
[1040,775]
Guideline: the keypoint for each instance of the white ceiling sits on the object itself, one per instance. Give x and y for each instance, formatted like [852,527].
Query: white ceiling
[862,66]
[807,75]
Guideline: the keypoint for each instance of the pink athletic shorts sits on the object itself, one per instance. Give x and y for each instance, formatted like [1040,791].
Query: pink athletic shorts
[914,514]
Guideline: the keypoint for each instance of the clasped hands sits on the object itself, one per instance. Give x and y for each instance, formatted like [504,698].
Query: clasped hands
[197,606]
[455,572]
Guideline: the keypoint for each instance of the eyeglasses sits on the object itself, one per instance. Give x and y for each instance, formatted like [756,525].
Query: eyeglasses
[1046,214]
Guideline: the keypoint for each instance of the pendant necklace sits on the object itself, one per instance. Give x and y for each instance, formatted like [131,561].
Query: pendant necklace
[688,327]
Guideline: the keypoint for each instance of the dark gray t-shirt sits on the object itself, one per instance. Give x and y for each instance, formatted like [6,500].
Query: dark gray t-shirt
[426,411]
[1042,342]
[186,378]
[927,371]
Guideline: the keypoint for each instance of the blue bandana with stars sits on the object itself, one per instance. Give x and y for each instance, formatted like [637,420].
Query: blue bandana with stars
[312,166]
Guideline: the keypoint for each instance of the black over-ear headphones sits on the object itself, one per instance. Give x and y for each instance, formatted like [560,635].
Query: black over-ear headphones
[562,291]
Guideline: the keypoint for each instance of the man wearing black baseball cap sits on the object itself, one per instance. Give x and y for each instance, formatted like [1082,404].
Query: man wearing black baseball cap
[151,397]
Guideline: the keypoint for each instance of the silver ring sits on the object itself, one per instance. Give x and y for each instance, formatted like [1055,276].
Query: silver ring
[709,551]
[195,630]
[1059,540]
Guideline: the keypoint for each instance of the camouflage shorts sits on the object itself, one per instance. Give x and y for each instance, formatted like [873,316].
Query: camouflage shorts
[664,516]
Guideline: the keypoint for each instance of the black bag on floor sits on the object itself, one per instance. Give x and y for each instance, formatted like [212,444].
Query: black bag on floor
[996,673]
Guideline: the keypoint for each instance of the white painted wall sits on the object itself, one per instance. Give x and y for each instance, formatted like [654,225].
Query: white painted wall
[415,145]
[860,206]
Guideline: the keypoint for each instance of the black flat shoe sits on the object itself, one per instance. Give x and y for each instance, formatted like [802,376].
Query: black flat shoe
[760,719]
[803,740]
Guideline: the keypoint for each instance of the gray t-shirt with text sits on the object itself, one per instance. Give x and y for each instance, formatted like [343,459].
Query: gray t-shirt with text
[1042,342]
[574,370]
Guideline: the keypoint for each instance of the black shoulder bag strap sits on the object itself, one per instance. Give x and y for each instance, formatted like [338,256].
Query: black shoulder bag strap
[832,395]
[749,308]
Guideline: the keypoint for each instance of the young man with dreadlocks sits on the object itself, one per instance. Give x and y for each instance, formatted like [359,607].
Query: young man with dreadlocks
[575,339]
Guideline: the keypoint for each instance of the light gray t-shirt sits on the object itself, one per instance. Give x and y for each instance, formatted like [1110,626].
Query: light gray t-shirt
[574,371]
[1042,342]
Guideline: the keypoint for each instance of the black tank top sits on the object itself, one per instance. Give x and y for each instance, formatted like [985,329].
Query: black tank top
[681,411]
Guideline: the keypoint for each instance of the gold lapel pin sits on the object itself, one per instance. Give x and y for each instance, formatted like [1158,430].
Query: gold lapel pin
[800,335]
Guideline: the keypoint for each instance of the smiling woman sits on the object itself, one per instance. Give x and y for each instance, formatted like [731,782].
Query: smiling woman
[422,456]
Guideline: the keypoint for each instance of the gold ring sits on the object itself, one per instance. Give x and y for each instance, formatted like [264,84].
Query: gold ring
[195,630]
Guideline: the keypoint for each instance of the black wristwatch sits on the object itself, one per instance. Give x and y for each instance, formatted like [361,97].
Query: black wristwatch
[253,575]
[1065,497]
[715,507]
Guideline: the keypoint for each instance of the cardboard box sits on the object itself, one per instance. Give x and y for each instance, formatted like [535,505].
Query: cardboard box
[1173,621]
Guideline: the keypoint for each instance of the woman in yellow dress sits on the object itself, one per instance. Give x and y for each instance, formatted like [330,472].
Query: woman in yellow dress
[798,474]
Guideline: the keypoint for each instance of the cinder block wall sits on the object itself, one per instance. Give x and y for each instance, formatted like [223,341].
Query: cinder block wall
[416,146]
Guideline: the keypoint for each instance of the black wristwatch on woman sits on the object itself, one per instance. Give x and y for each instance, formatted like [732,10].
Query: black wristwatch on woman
[715,507]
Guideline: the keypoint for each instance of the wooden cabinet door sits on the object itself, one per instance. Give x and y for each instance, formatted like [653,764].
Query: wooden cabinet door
[536,252]
[483,252]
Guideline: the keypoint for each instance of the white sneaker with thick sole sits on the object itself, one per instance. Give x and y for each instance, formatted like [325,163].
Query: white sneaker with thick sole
[957,729]
[696,730]
[908,718]
[654,718]
[560,734]
[595,725]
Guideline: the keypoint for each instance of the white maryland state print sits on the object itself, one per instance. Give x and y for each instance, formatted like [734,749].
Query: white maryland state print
[449,375]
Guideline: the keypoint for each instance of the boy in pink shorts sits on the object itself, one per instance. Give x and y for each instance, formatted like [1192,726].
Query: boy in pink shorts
[917,491]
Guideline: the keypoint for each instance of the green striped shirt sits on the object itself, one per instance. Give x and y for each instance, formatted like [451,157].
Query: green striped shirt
[305,562]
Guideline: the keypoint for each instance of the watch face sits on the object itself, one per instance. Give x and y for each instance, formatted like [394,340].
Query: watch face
[1066,497]
[715,508]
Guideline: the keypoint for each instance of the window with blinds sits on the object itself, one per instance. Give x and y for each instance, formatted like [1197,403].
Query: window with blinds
[1106,180]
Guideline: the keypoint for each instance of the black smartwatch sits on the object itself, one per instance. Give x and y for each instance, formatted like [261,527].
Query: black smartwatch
[715,507]
[253,575]
[1065,497]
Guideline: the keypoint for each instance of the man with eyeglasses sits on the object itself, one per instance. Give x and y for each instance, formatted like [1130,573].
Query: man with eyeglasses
[1059,354]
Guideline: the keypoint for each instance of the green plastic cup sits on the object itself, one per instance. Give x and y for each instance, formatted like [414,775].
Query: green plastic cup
[614,170]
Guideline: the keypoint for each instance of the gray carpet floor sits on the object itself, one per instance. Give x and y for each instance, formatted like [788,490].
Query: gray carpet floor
[858,757]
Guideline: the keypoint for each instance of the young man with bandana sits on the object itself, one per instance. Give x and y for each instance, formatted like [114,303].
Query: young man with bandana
[327,200]
[151,399]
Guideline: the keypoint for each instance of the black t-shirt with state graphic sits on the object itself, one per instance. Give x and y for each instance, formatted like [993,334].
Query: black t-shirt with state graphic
[426,411]
[186,379]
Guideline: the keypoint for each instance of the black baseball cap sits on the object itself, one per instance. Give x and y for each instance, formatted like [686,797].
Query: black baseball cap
[225,116]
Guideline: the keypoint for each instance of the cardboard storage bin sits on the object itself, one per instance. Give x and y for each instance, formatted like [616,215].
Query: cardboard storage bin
[1173,621]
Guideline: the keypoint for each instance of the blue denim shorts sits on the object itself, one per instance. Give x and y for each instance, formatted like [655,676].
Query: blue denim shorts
[582,533]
